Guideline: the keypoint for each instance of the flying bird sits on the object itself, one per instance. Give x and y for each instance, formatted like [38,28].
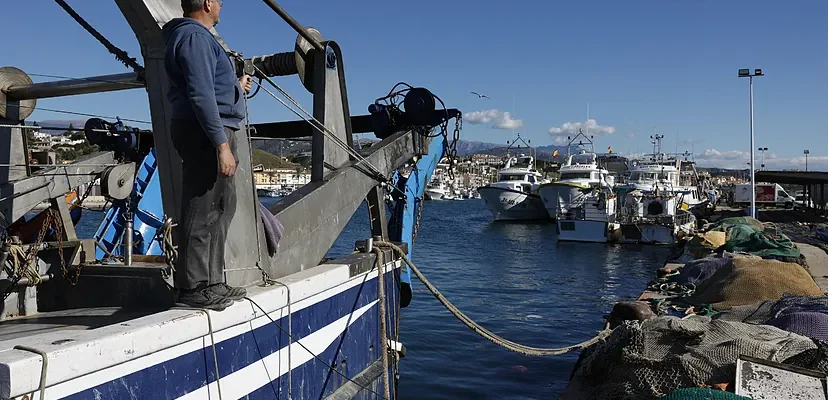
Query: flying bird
[480,96]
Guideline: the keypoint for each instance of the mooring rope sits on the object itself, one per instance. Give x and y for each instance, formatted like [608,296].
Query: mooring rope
[383,328]
[480,330]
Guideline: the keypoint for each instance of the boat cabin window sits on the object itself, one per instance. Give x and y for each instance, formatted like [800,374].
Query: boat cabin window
[583,159]
[643,176]
[576,175]
[532,178]
[512,177]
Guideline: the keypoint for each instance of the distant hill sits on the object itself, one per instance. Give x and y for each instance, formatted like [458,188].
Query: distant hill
[466,148]
[268,160]
[60,124]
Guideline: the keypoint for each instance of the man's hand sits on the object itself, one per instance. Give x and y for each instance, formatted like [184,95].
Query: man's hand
[246,82]
[227,162]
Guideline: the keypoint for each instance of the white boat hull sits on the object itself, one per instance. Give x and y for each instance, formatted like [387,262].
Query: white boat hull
[329,311]
[558,196]
[511,205]
[434,194]
[570,230]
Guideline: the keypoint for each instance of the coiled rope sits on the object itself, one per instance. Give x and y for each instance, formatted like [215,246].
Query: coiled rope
[24,263]
[485,333]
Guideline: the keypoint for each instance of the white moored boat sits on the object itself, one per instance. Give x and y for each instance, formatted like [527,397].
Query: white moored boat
[514,197]
[582,200]
[655,202]
[580,173]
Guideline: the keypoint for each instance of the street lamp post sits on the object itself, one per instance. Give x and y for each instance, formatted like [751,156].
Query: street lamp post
[806,152]
[745,72]
[763,150]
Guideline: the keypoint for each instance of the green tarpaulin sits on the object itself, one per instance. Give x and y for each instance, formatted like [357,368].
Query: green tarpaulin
[748,235]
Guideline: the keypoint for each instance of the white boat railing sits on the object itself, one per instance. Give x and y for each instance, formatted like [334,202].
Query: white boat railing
[588,208]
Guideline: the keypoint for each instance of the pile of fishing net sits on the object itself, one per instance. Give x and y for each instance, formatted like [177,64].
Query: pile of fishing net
[645,360]
[702,394]
[701,245]
[742,281]
[803,315]
[698,271]
[746,234]
[729,280]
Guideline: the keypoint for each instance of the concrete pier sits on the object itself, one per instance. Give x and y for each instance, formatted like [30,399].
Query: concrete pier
[726,309]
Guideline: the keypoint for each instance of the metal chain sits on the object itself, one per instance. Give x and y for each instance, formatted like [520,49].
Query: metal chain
[451,144]
[417,220]
[58,223]
[119,54]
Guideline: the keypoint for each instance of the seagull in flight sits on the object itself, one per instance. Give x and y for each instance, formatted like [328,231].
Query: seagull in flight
[480,96]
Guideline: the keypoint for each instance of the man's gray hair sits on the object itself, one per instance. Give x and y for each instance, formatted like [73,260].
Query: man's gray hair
[191,6]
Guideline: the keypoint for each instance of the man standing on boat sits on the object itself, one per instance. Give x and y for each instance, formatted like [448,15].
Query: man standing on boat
[207,110]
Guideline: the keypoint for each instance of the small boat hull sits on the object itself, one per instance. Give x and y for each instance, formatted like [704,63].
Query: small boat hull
[558,196]
[574,230]
[653,233]
[669,231]
[512,205]
[434,194]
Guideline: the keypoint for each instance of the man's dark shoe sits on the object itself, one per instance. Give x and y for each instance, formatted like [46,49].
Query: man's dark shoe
[228,292]
[203,298]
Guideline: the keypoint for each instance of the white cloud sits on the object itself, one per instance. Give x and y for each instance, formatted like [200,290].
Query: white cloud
[572,128]
[497,119]
[716,155]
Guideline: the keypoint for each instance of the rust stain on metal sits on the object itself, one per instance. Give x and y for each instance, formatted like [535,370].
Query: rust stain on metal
[762,380]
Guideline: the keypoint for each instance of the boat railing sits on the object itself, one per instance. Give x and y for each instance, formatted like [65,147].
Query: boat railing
[589,208]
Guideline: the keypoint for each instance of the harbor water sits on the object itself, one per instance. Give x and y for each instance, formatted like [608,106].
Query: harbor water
[514,279]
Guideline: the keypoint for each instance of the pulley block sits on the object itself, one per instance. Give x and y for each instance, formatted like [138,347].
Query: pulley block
[117,181]
[11,76]
[419,106]
[304,53]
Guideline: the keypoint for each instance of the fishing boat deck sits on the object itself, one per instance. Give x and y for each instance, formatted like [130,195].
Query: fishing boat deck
[75,319]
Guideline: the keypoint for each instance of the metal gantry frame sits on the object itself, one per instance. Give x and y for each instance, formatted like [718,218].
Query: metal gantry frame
[313,216]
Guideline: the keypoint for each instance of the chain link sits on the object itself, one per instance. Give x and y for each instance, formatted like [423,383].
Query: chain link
[451,143]
[420,202]
[58,224]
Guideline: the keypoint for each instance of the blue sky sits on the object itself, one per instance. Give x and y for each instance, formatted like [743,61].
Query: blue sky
[640,65]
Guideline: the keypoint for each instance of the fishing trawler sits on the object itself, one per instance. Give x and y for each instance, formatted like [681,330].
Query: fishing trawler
[582,201]
[581,172]
[93,318]
[655,203]
[672,173]
[514,197]
[437,190]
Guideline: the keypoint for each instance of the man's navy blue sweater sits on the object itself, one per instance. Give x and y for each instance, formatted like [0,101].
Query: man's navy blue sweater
[203,82]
